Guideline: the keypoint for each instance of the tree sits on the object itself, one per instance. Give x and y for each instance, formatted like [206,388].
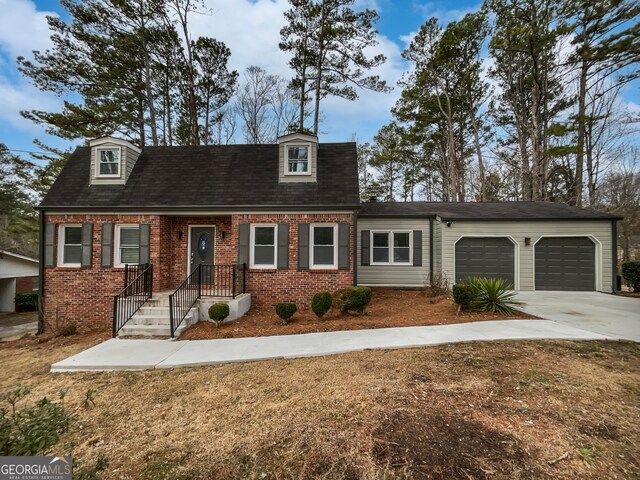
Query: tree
[388,157]
[607,43]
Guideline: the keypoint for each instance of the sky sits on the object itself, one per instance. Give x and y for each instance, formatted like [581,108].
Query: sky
[251,29]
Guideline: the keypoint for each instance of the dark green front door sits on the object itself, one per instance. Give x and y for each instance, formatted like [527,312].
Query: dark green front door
[202,248]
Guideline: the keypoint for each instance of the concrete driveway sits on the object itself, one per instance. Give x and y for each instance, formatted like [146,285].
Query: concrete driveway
[15,325]
[597,312]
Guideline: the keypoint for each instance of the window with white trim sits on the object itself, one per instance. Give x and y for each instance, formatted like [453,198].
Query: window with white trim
[297,160]
[70,245]
[391,248]
[324,246]
[263,246]
[108,162]
[127,245]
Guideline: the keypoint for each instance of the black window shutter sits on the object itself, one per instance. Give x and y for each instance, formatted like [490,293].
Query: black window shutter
[145,243]
[283,246]
[87,244]
[49,245]
[243,243]
[343,246]
[417,248]
[365,249]
[303,246]
[106,252]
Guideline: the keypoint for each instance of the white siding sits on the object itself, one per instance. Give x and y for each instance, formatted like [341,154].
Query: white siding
[396,275]
[599,230]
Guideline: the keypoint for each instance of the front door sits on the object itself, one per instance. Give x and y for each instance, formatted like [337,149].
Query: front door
[202,248]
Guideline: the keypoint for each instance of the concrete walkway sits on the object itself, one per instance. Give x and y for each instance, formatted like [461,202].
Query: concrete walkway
[119,354]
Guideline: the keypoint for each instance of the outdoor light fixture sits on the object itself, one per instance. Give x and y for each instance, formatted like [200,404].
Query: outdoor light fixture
[449,224]
[527,241]
[179,234]
[223,234]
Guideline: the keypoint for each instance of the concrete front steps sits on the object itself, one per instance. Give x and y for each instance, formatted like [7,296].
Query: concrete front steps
[153,319]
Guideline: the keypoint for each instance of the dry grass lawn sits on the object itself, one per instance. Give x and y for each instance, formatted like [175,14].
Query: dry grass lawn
[503,410]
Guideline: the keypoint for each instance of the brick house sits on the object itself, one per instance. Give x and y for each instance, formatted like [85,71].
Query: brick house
[270,223]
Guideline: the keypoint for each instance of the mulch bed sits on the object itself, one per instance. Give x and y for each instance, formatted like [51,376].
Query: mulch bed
[388,308]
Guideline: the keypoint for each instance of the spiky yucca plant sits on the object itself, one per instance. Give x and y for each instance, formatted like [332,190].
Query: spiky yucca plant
[494,295]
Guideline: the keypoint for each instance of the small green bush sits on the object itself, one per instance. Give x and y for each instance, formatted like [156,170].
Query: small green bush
[463,295]
[285,311]
[30,430]
[354,299]
[321,303]
[494,295]
[631,273]
[26,302]
[218,312]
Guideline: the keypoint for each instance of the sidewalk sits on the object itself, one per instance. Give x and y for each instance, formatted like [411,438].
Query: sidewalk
[117,354]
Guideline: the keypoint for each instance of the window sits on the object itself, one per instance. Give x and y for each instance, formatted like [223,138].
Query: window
[323,246]
[70,250]
[263,246]
[127,245]
[298,160]
[391,248]
[108,162]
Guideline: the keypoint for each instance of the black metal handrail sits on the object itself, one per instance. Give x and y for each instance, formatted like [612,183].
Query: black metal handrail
[132,297]
[209,281]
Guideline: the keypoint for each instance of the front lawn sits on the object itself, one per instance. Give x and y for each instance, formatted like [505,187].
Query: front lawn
[495,410]
[389,307]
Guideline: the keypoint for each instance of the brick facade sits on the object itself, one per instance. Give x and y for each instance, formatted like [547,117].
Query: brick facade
[26,284]
[85,295]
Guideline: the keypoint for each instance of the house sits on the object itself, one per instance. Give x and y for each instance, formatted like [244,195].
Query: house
[18,274]
[270,223]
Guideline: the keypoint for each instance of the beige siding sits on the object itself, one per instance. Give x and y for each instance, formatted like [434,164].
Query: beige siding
[131,159]
[400,275]
[313,155]
[598,230]
[437,246]
[128,158]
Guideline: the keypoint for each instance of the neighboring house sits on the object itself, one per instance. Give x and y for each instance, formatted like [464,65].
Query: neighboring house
[18,274]
[290,213]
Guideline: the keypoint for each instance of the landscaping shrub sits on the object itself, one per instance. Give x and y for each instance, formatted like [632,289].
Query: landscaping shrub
[321,303]
[285,311]
[30,430]
[26,302]
[67,329]
[631,273]
[439,286]
[494,295]
[218,312]
[354,299]
[463,295]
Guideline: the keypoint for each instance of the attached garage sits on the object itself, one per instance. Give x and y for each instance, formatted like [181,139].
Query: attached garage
[565,263]
[491,257]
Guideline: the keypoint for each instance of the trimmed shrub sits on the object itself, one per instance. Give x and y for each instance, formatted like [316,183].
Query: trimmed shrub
[286,310]
[321,303]
[631,273]
[463,295]
[354,299]
[493,295]
[26,302]
[218,312]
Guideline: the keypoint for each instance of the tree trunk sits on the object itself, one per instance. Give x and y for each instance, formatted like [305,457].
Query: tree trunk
[582,92]
[476,141]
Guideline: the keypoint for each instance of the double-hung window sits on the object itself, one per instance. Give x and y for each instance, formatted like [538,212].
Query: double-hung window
[70,245]
[324,246]
[391,248]
[108,162]
[298,160]
[263,246]
[127,245]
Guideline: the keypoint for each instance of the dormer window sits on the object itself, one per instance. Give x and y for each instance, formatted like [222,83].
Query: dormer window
[108,162]
[298,160]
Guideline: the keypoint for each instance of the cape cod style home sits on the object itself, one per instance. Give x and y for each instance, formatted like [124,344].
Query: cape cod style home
[144,239]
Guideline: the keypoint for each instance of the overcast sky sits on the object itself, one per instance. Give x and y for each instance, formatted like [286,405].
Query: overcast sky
[251,30]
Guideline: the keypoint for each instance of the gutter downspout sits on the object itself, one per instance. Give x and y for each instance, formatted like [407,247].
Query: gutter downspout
[614,256]
[431,251]
[355,248]
[41,275]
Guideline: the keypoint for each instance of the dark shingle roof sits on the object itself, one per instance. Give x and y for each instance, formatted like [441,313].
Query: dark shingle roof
[482,211]
[210,177]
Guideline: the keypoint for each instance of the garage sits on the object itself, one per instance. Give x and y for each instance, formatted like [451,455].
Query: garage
[565,263]
[491,257]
